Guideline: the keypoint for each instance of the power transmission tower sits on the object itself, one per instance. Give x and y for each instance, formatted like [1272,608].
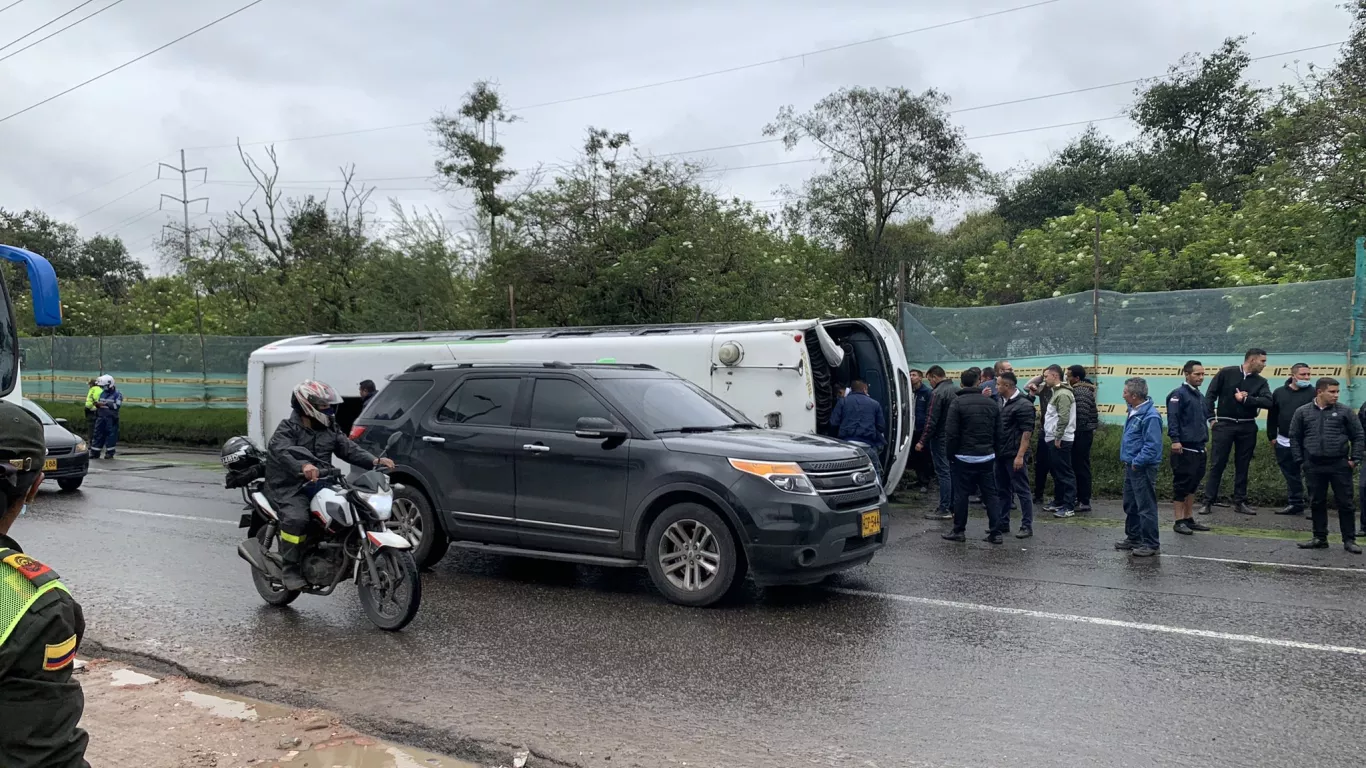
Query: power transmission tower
[186,233]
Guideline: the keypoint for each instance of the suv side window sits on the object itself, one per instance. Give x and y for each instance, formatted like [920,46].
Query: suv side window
[558,404]
[485,402]
[396,399]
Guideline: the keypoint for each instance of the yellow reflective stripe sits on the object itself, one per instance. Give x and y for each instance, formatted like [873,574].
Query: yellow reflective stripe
[291,538]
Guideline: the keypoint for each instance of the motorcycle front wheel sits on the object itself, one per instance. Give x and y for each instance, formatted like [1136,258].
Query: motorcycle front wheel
[393,601]
[271,591]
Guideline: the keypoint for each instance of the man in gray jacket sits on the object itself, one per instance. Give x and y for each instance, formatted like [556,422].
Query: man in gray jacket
[933,439]
[1326,439]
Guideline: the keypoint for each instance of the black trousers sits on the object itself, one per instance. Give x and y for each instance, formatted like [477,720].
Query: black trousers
[920,461]
[979,478]
[1240,439]
[1319,474]
[1041,465]
[1081,464]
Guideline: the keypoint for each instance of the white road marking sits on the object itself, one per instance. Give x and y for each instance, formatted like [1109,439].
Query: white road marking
[1277,565]
[176,517]
[1073,618]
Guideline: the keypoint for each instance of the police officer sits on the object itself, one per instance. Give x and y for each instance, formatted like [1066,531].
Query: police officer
[40,624]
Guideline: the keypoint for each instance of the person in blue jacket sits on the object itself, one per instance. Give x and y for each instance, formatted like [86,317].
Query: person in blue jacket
[106,435]
[1140,451]
[859,420]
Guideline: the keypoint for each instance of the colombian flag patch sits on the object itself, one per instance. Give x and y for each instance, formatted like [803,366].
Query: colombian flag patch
[30,568]
[60,655]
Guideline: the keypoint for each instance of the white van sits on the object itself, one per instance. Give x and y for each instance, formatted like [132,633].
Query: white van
[781,374]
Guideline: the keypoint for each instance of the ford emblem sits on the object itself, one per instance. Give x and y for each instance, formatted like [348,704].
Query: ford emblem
[863,478]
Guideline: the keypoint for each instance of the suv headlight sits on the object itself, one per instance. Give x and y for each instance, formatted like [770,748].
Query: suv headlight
[785,476]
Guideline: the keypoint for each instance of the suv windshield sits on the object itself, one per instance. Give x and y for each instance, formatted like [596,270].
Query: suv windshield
[674,405]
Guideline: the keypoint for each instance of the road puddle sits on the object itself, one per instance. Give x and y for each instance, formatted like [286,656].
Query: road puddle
[127,678]
[367,755]
[234,707]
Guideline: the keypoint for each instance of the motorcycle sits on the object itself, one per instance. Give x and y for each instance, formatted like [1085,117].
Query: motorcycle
[347,537]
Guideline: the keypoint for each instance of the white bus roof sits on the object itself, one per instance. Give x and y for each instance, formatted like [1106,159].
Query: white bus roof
[425,337]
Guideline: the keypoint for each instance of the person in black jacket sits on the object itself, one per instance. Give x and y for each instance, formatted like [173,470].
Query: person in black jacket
[1232,401]
[920,461]
[933,439]
[972,433]
[1012,461]
[1187,429]
[1326,438]
[1298,391]
[1088,421]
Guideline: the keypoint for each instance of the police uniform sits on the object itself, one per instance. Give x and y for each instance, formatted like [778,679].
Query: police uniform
[41,627]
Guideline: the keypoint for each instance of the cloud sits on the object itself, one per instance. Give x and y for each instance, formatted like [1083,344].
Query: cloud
[307,67]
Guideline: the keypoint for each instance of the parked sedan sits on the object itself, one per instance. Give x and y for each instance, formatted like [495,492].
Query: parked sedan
[68,456]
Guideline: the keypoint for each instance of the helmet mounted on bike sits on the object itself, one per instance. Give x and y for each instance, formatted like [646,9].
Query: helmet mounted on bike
[317,401]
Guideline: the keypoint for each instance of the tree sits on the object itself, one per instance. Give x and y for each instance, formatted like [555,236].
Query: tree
[885,152]
[1082,173]
[617,239]
[104,260]
[1204,124]
[471,157]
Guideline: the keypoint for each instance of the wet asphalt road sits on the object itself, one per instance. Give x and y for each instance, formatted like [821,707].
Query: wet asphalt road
[1054,651]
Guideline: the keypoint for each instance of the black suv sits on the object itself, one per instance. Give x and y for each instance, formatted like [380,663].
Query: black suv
[618,465]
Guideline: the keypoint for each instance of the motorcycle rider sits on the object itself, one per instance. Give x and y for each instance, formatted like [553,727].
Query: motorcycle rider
[313,427]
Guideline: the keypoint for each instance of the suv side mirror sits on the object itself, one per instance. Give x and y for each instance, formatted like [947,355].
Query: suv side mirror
[593,428]
[61,422]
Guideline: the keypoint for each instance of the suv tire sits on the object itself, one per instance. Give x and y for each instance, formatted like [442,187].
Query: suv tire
[692,556]
[432,542]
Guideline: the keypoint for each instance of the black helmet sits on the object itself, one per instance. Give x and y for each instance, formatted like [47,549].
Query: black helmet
[239,453]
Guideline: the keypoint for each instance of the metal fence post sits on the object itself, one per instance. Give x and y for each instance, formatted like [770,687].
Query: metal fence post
[1358,309]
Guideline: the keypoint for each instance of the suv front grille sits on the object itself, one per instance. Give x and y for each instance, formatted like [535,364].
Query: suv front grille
[843,465]
[843,484]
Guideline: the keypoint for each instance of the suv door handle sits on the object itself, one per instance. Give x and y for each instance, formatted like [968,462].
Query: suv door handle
[536,448]
[433,439]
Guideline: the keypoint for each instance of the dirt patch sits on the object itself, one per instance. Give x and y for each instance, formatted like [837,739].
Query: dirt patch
[141,721]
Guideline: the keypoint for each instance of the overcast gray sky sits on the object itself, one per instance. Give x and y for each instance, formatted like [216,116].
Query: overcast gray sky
[299,68]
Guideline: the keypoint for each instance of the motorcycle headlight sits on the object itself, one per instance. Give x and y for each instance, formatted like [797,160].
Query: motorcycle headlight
[784,476]
[381,503]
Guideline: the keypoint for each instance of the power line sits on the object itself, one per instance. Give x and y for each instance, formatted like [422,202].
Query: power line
[673,81]
[102,185]
[11,5]
[129,193]
[1135,81]
[792,57]
[45,24]
[60,31]
[106,73]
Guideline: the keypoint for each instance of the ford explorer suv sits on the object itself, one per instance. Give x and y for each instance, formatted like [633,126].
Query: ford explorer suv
[618,465]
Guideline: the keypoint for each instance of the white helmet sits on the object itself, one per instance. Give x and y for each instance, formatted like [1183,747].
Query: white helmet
[104,382]
[316,400]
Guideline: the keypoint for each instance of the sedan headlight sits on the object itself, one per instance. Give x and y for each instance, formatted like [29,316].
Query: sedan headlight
[784,476]
[81,447]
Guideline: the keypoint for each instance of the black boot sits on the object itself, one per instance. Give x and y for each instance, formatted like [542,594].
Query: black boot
[1351,546]
[1314,543]
[291,576]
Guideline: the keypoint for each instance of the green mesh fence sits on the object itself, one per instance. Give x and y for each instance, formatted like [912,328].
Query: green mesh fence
[1151,334]
[160,370]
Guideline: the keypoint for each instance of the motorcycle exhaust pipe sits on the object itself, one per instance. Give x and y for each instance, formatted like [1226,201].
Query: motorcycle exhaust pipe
[250,550]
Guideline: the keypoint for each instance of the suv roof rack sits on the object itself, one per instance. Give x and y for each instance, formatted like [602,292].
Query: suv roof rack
[556,364]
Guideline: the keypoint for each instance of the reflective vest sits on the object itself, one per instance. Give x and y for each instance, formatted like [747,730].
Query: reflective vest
[23,581]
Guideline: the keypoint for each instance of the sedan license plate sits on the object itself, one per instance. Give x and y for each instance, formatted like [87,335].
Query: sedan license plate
[871,523]
[50,465]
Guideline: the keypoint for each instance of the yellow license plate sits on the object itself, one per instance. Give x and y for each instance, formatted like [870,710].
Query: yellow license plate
[872,523]
[49,465]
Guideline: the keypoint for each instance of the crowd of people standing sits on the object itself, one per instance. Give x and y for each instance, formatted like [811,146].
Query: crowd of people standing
[978,437]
